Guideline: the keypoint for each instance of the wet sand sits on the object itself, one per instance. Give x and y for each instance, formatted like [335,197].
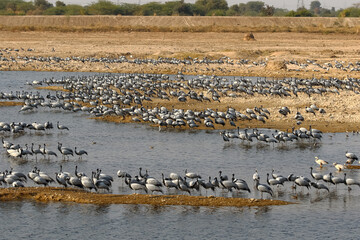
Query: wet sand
[56,194]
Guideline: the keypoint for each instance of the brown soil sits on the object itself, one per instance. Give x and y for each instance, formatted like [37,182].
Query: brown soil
[56,194]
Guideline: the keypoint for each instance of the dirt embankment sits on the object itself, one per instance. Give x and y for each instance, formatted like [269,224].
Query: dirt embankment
[56,194]
[183,23]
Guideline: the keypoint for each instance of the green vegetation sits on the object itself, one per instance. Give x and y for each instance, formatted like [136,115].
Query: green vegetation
[171,8]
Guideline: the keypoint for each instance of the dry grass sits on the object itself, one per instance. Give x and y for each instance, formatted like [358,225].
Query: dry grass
[56,194]
[84,24]
[195,29]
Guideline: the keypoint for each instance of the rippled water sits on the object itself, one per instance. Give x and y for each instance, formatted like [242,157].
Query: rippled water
[129,146]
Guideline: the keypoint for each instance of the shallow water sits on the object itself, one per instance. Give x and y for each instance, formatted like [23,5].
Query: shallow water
[129,146]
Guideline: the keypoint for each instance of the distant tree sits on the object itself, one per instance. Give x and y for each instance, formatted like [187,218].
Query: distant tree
[301,12]
[280,12]
[314,5]
[242,8]
[304,13]
[233,10]
[254,6]
[198,9]
[42,4]
[151,9]
[168,9]
[350,12]
[176,8]
[211,5]
[25,7]
[129,9]
[11,6]
[74,9]
[183,9]
[103,7]
[216,12]
[54,11]
[268,10]
[186,9]
[60,4]
[3,5]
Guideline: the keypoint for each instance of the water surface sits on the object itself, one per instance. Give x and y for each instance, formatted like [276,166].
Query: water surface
[127,147]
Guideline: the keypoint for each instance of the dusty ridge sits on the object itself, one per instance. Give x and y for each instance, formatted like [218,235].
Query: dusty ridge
[178,21]
[56,194]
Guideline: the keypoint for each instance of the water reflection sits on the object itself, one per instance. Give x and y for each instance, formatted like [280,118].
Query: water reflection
[261,211]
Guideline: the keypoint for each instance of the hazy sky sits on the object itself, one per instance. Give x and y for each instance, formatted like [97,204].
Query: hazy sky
[288,4]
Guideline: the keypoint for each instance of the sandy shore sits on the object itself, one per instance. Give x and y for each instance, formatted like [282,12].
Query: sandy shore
[56,194]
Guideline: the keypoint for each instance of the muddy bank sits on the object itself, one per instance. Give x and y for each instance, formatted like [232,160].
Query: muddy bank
[55,194]
[10,103]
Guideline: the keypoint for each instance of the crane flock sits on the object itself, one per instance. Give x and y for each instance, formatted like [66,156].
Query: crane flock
[127,95]
[190,183]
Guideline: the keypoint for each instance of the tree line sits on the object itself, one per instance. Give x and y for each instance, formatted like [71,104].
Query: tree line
[171,8]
